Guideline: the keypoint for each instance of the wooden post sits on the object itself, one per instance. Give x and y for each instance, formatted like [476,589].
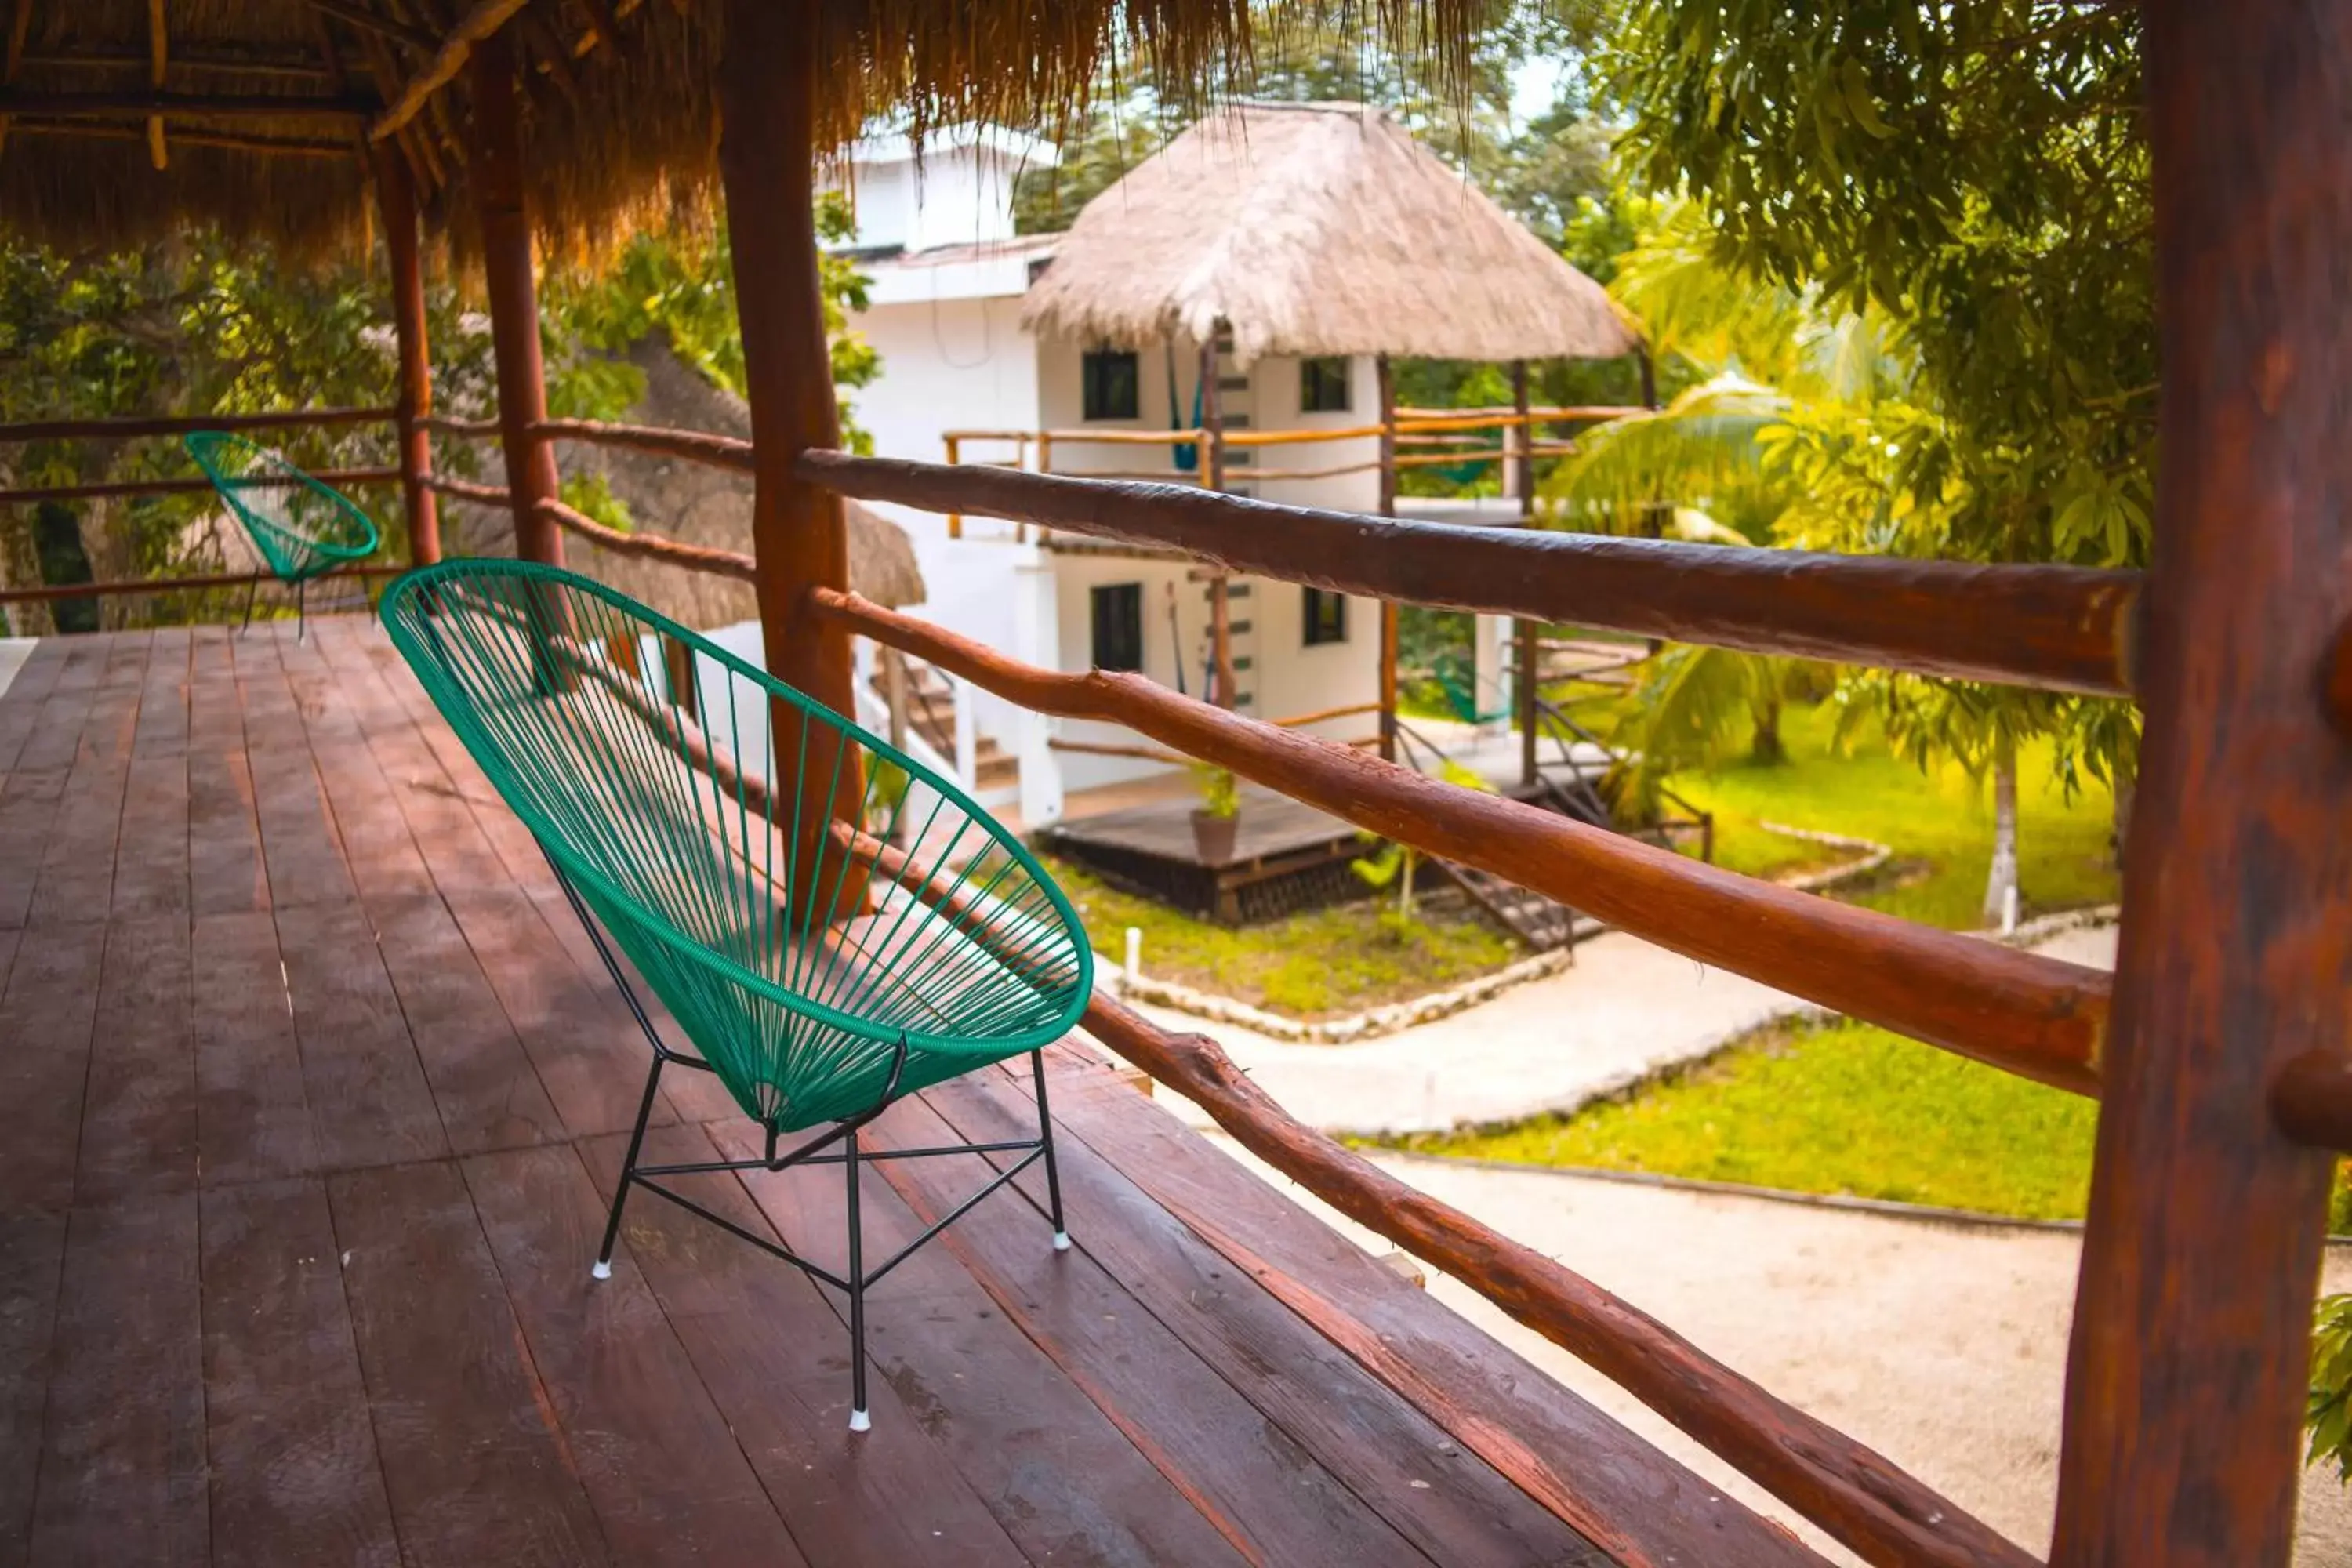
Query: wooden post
[1526,690]
[767,161]
[505,219]
[395,189]
[2185,1385]
[1212,475]
[1387,653]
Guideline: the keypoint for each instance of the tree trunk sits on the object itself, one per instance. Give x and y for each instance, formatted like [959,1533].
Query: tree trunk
[1768,747]
[2001,881]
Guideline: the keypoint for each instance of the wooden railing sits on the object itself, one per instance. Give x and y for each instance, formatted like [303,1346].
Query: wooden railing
[2038,1016]
[142,427]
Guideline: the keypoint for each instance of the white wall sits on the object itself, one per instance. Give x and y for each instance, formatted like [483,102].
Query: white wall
[1274,390]
[1284,678]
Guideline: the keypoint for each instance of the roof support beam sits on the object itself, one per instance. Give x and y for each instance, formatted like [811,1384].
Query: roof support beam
[474,28]
[359,17]
[767,161]
[158,50]
[2186,1381]
[201,105]
[505,219]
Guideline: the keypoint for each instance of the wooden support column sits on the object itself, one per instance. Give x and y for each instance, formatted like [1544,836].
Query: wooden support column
[767,159]
[2185,1386]
[396,188]
[1386,379]
[1525,689]
[505,220]
[1213,476]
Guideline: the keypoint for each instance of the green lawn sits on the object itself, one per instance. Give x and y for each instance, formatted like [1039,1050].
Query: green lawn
[1830,1108]
[1319,965]
[1939,823]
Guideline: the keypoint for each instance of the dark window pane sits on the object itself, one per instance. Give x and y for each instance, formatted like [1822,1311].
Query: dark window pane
[1118,627]
[1326,616]
[1111,384]
[1323,386]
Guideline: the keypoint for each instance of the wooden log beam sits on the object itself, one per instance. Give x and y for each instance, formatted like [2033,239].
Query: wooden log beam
[2059,627]
[109,131]
[474,30]
[767,152]
[1859,1495]
[2032,1015]
[381,26]
[466,490]
[505,219]
[2186,1382]
[178,487]
[694,445]
[168,585]
[396,196]
[158,50]
[181,424]
[140,105]
[653,547]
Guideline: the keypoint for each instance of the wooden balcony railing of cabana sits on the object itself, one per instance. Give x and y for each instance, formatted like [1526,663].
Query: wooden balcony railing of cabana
[1219,1383]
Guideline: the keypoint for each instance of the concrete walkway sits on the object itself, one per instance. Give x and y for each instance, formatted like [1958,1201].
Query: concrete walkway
[1944,1347]
[1627,1009]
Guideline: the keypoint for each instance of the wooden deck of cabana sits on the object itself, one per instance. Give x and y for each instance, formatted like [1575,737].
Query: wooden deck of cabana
[316,1095]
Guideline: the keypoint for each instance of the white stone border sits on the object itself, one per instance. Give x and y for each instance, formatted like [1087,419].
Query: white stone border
[1396,1016]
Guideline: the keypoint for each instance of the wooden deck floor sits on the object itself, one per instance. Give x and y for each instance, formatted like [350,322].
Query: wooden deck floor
[315,1091]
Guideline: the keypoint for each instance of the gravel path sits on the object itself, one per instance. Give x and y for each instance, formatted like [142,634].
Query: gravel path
[1942,1346]
[1626,1010]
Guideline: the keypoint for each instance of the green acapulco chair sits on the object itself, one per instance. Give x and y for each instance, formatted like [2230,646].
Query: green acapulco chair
[300,527]
[822,960]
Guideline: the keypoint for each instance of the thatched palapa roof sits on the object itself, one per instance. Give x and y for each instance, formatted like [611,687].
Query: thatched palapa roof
[1316,229]
[263,107]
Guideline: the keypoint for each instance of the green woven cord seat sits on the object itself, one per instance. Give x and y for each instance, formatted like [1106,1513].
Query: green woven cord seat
[794,965]
[300,526]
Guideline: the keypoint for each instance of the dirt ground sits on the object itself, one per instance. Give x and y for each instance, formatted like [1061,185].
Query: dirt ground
[1943,1347]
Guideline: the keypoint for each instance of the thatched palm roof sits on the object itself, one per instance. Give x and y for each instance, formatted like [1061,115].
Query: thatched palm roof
[1316,229]
[613,127]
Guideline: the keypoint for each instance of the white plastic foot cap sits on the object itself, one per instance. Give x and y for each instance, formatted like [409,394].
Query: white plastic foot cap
[860,1422]
[603,1269]
[1061,1241]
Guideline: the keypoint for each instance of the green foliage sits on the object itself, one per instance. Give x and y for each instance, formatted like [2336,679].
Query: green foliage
[1938,822]
[592,493]
[1221,792]
[681,286]
[2330,1414]
[1830,1108]
[1315,965]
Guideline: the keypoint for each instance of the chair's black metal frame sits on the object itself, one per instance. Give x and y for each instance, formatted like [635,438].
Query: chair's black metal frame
[858,1278]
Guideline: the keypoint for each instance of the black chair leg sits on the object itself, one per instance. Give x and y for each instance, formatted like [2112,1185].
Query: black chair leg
[252,588]
[301,609]
[860,1420]
[603,1269]
[1052,1172]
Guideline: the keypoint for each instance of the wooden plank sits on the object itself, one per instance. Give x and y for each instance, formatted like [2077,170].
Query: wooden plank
[152,864]
[225,873]
[29,801]
[1263,1487]
[758,1332]
[51,1002]
[369,1101]
[77,875]
[665,1474]
[587,1049]
[122,1452]
[253,1118]
[295,1478]
[475,1465]
[1066,1482]
[21,704]
[377,845]
[304,856]
[163,695]
[488,1094]
[1643,1506]
[55,733]
[139,1116]
[1447,1501]
[32,1249]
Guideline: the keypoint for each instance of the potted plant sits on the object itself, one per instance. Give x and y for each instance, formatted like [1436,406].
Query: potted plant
[1216,819]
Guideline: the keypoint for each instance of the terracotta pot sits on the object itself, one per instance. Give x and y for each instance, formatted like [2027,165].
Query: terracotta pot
[1212,836]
